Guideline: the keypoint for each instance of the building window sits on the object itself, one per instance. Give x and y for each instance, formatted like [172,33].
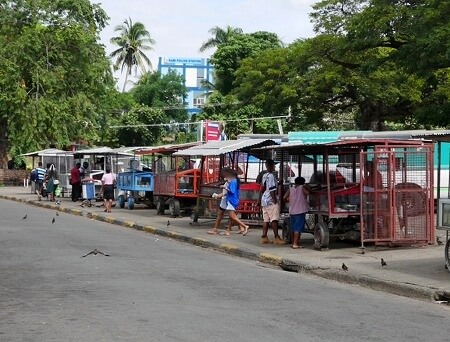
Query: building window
[199,101]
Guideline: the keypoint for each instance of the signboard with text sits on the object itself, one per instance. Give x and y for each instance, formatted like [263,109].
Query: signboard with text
[186,61]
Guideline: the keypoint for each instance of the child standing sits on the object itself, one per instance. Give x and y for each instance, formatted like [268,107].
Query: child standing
[298,207]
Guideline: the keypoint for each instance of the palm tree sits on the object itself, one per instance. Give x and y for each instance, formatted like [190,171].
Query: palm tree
[220,36]
[133,40]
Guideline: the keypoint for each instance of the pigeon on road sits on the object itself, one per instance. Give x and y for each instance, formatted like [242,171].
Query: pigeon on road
[439,242]
[168,223]
[383,263]
[53,220]
[344,267]
[25,217]
[95,252]
[57,214]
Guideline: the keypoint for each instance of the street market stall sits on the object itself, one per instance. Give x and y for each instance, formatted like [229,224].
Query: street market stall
[442,140]
[175,179]
[237,155]
[100,158]
[62,160]
[370,190]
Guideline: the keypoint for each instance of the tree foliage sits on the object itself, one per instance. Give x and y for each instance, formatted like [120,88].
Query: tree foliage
[136,133]
[220,36]
[54,75]
[151,109]
[228,56]
[378,63]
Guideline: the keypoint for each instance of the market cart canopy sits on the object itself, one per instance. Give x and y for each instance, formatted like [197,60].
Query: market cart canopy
[50,152]
[100,151]
[217,148]
[439,136]
[166,149]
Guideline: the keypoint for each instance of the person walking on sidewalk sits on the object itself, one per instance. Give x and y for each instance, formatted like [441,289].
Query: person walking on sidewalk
[108,182]
[40,180]
[269,204]
[298,207]
[75,181]
[229,202]
[52,181]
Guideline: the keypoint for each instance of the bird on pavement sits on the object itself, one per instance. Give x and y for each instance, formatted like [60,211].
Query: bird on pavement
[344,267]
[25,217]
[57,214]
[439,242]
[95,252]
[383,263]
[168,223]
[53,220]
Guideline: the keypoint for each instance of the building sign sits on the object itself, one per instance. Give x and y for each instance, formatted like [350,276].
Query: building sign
[186,61]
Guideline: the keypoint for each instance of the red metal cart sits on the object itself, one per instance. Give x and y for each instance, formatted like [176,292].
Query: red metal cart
[176,178]
[369,190]
[235,154]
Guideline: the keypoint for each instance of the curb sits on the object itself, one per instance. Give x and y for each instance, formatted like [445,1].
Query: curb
[401,289]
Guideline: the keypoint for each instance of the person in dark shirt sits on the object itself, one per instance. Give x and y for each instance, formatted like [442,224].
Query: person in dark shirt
[75,181]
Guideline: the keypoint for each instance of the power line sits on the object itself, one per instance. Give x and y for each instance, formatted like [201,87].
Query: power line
[198,122]
[206,105]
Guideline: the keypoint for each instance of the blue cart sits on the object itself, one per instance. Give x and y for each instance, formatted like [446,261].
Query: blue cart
[135,187]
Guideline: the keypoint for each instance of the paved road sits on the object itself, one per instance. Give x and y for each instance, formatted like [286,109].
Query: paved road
[153,289]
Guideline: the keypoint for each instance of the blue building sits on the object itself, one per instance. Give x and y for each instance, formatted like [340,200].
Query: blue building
[195,72]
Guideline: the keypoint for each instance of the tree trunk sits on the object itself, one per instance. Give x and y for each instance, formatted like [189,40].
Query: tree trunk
[4,143]
[126,79]
[371,115]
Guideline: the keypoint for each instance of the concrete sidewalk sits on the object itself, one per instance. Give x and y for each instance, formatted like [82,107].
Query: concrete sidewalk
[412,272]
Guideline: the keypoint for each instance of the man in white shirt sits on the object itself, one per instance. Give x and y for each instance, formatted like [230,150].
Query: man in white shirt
[269,204]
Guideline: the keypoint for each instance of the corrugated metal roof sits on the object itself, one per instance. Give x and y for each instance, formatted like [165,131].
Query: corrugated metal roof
[166,149]
[102,151]
[335,146]
[440,136]
[217,148]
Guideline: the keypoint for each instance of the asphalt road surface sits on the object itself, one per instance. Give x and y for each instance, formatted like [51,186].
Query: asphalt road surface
[154,289]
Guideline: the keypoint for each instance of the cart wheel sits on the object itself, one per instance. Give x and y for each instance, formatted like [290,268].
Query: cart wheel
[286,230]
[174,207]
[130,203]
[447,254]
[121,201]
[321,235]
[194,216]
[160,205]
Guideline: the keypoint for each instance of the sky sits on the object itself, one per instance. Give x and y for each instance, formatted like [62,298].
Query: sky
[181,26]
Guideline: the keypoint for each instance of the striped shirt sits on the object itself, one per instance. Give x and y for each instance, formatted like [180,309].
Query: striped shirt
[40,173]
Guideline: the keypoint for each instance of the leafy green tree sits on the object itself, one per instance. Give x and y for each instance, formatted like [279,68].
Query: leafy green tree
[407,38]
[163,91]
[54,74]
[136,130]
[237,116]
[228,56]
[151,111]
[220,36]
[133,40]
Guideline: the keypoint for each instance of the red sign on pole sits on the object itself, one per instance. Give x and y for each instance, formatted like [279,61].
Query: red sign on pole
[212,131]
